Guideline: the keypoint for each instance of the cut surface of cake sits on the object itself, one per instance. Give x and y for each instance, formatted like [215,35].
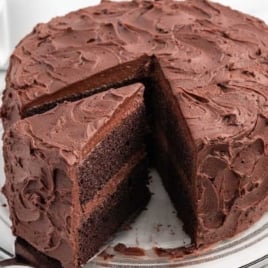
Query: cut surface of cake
[94,146]
[204,67]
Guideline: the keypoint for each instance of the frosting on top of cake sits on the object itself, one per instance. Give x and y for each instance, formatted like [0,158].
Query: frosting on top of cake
[71,126]
[211,55]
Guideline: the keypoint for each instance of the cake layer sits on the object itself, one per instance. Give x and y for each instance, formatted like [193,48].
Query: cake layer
[219,187]
[54,159]
[173,153]
[75,128]
[105,218]
[118,200]
[173,181]
[126,74]
[121,140]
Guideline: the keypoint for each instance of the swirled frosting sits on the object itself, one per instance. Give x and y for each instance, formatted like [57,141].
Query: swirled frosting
[214,60]
[42,153]
[202,48]
[211,55]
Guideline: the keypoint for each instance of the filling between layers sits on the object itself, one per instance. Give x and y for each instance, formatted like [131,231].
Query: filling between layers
[122,196]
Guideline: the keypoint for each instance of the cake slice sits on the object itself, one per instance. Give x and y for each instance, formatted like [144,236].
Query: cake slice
[73,173]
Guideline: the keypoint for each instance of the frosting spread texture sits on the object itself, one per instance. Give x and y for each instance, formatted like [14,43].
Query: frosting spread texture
[214,60]
[42,153]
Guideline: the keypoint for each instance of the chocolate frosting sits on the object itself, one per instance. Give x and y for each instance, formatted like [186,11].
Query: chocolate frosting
[41,153]
[214,60]
[72,126]
[201,46]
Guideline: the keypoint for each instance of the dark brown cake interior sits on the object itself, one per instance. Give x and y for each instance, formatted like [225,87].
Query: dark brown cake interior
[121,205]
[167,125]
[174,162]
[126,74]
[101,133]
[131,196]
[171,150]
[111,153]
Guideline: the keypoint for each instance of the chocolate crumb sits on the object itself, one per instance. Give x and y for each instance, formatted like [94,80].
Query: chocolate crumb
[158,227]
[126,227]
[172,232]
[174,253]
[129,251]
[105,255]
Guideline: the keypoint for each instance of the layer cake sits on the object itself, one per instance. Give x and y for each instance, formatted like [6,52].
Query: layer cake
[74,173]
[204,67]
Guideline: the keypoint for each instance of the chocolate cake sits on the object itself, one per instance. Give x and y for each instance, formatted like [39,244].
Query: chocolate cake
[204,67]
[75,171]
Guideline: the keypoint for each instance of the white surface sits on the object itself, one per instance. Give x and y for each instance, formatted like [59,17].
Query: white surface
[2,79]
[145,231]
[4,44]
[257,8]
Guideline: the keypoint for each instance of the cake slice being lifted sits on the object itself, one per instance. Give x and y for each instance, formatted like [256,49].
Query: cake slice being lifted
[74,171]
